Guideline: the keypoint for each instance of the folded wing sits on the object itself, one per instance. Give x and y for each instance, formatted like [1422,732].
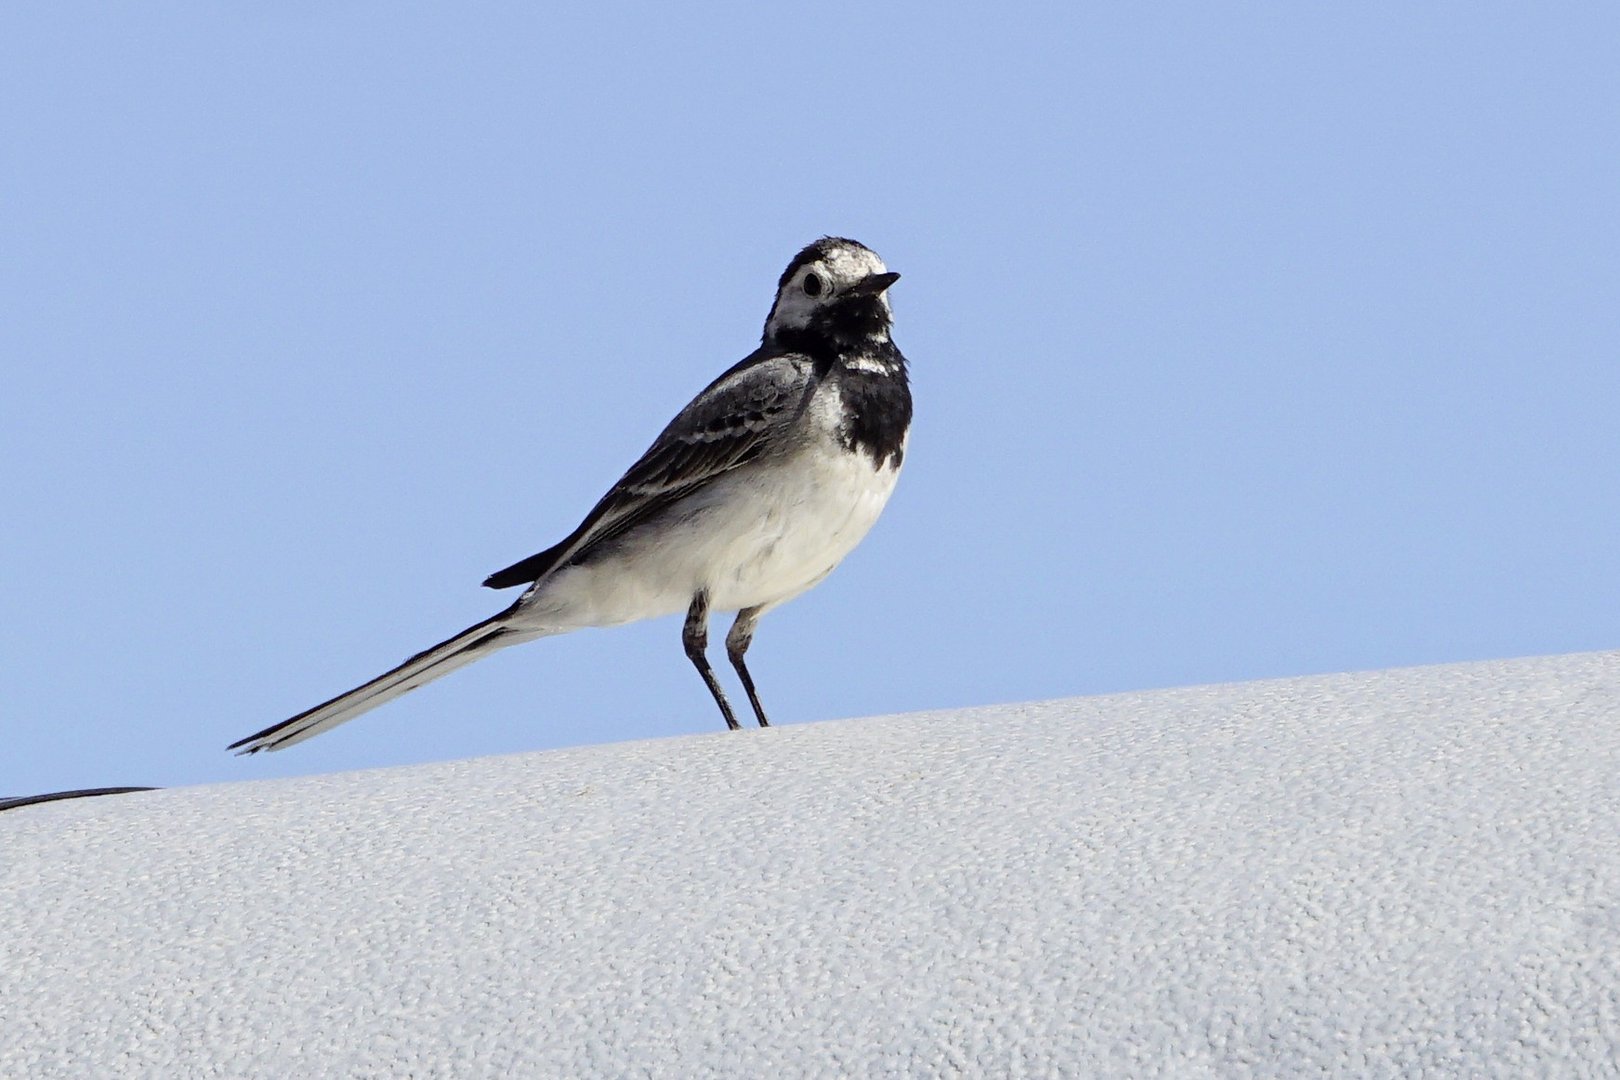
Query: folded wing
[741,415]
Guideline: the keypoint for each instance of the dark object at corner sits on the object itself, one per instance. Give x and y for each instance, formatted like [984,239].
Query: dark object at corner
[84,793]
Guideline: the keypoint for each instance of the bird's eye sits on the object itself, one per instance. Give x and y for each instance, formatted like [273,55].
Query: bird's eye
[812,284]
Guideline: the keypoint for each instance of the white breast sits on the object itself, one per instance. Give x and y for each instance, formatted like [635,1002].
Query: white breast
[807,518]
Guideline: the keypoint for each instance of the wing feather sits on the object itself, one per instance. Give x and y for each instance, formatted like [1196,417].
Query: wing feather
[739,416]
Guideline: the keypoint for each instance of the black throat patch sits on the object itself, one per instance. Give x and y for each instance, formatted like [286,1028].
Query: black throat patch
[849,342]
[877,405]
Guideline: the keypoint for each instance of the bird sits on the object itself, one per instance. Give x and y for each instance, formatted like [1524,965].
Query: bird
[752,494]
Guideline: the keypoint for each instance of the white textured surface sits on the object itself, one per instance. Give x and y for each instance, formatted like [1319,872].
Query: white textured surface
[1412,872]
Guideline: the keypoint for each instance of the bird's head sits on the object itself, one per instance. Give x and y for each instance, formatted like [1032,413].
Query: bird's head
[832,290]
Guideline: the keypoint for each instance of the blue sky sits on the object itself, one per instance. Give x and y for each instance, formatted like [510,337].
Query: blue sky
[1248,341]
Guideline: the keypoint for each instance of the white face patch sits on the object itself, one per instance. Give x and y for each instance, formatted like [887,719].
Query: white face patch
[840,267]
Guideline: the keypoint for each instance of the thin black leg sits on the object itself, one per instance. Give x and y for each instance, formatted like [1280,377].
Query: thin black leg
[737,642]
[695,636]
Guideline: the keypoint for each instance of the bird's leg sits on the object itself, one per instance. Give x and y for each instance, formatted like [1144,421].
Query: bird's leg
[737,642]
[695,636]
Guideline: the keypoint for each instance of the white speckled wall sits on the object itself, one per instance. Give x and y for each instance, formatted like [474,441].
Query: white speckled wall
[1361,875]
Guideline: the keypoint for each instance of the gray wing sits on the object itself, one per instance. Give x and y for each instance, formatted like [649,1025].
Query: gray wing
[738,417]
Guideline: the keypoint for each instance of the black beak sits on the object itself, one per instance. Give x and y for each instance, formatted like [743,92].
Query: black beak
[872,286]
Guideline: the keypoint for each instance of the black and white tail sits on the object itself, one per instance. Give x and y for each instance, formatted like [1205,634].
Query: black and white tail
[473,643]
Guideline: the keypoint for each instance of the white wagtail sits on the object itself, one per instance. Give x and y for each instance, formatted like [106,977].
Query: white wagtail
[751,495]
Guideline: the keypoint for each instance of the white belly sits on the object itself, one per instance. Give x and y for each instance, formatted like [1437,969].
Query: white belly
[803,529]
[755,538]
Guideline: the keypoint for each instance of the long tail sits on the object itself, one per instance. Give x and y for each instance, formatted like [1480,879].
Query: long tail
[473,643]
